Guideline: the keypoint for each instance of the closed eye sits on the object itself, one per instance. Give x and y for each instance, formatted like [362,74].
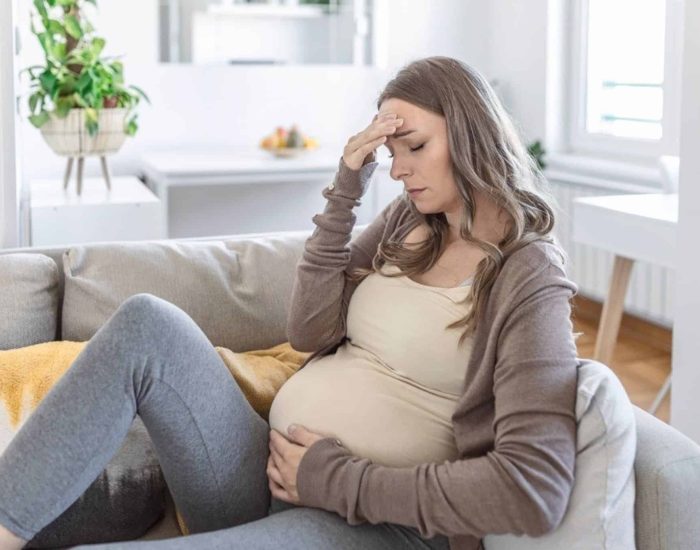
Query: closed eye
[412,150]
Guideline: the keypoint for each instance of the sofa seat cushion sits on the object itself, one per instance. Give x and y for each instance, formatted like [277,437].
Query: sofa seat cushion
[601,509]
[126,499]
[28,299]
[238,292]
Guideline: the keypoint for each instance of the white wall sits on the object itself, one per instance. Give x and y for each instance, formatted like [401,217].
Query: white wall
[419,28]
[685,405]
[518,60]
[9,181]
[128,25]
[229,108]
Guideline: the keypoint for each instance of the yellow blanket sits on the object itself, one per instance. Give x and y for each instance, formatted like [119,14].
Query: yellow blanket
[27,374]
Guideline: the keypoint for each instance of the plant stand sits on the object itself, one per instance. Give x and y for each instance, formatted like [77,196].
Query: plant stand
[68,137]
[79,172]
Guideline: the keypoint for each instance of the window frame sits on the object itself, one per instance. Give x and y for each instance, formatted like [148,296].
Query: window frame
[582,141]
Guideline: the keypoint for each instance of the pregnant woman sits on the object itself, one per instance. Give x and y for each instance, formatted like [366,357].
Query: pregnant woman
[437,405]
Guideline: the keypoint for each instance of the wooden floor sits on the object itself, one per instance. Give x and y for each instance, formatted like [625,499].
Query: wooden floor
[641,367]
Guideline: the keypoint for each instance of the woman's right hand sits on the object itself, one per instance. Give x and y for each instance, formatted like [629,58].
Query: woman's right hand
[360,147]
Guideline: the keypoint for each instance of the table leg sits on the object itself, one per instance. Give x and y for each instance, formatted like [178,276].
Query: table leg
[81,167]
[105,172]
[612,310]
[66,175]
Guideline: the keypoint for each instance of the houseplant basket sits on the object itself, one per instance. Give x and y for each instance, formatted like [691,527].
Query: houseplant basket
[78,97]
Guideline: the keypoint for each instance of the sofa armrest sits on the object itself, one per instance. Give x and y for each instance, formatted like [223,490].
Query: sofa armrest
[667,471]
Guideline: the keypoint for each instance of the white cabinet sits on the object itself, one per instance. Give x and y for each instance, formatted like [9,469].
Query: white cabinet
[130,211]
[213,194]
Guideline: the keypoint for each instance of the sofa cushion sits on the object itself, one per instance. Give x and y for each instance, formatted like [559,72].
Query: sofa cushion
[600,513]
[238,292]
[126,498]
[28,299]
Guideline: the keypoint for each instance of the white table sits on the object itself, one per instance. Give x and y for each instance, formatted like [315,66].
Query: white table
[218,193]
[130,211]
[633,227]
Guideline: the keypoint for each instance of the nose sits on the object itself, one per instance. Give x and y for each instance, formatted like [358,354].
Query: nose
[399,170]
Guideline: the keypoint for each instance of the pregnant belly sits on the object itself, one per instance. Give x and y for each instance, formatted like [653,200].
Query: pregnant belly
[373,411]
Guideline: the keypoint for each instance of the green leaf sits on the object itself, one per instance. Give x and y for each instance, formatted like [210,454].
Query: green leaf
[39,120]
[48,81]
[67,3]
[91,114]
[59,51]
[34,100]
[131,126]
[63,106]
[46,41]
[84,82]
[93,2]
[78,99]
[98,44]
[141,93]
[92,127]
[73,27]
[55,27]
[41,8]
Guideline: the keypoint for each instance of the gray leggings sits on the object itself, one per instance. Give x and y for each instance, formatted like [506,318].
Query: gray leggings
[151,359]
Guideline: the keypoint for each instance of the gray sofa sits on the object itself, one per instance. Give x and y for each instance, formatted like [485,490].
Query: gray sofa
[237,288]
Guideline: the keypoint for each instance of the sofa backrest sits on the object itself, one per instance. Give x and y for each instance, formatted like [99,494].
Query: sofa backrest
[236,288]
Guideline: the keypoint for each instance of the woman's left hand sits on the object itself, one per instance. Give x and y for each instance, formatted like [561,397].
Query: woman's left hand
[283,462]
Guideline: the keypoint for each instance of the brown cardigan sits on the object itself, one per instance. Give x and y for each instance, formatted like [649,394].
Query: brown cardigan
[514,425]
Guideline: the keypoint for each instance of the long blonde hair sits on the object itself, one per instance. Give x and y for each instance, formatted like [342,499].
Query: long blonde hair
[487,154]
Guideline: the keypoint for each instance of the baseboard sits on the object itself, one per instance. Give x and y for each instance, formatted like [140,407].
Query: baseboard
[634,327]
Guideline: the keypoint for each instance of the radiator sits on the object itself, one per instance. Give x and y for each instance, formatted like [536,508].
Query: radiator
[649,294]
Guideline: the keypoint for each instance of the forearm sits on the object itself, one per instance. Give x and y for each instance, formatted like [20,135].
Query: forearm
[516,491]
[316,311]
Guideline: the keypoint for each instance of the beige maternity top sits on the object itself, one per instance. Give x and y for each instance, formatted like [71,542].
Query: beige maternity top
[400,374]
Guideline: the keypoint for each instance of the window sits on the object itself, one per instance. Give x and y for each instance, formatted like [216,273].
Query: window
[626,60]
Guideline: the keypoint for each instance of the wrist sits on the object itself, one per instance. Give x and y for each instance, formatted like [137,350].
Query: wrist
[352,183]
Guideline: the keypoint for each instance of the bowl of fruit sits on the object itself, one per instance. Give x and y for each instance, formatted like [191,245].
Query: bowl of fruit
[288,143]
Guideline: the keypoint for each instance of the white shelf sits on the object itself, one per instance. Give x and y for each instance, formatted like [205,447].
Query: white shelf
[267,10]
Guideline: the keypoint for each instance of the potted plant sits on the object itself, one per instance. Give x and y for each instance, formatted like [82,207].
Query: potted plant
[78,98]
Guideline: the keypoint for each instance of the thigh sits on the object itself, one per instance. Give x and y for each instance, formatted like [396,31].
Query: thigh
[297,528]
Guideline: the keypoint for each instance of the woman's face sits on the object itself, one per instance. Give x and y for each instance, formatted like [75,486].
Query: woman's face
[421,157]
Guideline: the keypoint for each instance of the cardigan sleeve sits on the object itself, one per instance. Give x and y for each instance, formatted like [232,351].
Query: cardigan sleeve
[523,485]
[321,291]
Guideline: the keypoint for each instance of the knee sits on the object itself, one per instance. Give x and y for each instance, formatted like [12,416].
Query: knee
[143,306]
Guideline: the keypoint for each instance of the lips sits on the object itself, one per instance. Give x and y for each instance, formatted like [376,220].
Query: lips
[415,190]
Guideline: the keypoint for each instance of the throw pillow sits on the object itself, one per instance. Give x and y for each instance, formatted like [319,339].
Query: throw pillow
[238,292]
[600,513]
[28,299]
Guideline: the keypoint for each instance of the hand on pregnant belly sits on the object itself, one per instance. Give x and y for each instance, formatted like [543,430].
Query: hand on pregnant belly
[283,462]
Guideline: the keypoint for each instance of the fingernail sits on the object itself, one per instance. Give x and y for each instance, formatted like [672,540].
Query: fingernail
[291,428]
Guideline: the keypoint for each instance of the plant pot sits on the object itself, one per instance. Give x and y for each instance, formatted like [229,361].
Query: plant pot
[69,136]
